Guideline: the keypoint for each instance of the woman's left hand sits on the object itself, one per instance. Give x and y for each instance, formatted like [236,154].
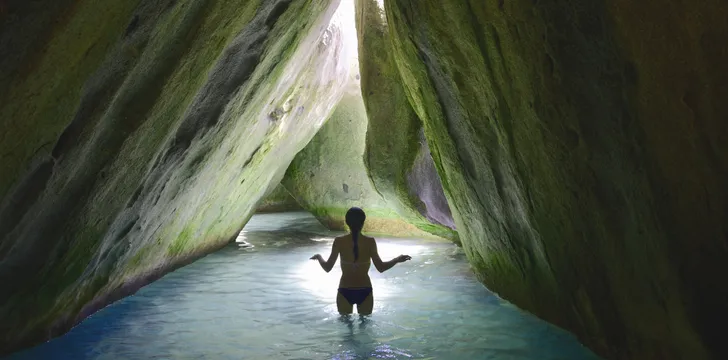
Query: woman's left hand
[315,257]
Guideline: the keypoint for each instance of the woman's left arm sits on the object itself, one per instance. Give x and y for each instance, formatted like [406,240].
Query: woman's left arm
[329,264]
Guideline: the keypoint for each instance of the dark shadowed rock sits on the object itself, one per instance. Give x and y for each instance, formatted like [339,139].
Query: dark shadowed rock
[582,148]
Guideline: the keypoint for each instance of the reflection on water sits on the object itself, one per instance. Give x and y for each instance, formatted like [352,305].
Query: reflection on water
[261,298]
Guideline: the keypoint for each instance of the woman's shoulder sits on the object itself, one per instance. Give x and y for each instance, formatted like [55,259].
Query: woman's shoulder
[367,238]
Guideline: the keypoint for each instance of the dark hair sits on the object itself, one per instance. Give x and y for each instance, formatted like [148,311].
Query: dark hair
[355,219]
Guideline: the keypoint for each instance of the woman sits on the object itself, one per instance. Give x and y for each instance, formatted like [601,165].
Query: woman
[355,287]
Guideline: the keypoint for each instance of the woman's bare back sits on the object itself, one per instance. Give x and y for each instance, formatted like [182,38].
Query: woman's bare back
[355,287]
[355,273]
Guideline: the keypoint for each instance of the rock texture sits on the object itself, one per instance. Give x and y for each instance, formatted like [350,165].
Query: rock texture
[137,136]
[584,149]
[371,157]
[396,156]
[278,200]
[328,176]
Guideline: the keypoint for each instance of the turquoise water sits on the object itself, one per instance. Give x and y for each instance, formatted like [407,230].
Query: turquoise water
[268,301]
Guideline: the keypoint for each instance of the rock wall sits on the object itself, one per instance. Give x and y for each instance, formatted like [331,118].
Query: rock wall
[358,149]
[584,149]
[137,136]
[328,176]
[396,155]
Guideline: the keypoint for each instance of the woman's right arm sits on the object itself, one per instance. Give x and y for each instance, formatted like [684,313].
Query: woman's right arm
[383,266]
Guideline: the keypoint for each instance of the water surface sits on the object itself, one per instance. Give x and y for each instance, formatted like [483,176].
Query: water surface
[268,301]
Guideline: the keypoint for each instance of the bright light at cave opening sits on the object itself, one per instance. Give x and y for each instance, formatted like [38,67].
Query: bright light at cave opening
[343,23]
[345,19]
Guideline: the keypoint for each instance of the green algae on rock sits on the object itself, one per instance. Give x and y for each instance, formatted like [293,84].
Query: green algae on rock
[573,194]
[169,127]
[581,148]
[328,176]
[397,158]
[358,148]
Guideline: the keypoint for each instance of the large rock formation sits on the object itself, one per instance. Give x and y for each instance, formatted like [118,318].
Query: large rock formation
[328,176]
[372,158]
[397,155]
[584,149]
[139,135]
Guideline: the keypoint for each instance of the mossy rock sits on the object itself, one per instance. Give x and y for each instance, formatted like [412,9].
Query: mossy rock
[142,140]
[570,168]
[328,176]
[396,154]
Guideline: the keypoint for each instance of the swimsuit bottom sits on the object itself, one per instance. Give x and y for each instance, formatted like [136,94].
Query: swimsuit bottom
[355,296]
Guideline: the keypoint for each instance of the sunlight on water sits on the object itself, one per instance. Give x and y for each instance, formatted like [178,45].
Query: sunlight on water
[316,281]
[267,300]
[320,283]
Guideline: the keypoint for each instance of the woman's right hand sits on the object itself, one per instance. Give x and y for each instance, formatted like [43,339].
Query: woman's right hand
[403,258]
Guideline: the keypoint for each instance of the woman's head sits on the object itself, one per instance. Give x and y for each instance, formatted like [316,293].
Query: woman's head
[355,219]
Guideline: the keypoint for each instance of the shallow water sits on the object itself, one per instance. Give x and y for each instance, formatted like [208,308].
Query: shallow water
[269,301]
